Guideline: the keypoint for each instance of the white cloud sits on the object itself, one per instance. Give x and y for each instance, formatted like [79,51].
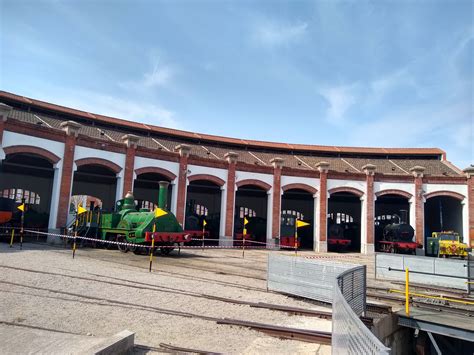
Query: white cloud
[161,75]
[271,34]
[108,105]
[445,126]
[340,99]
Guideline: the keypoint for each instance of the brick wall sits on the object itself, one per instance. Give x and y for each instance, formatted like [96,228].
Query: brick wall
[129,168]
[470,197]
[370,209]
[276,202]
[229,215]
[323,206]
[181,203]
[66,181]
[419,211]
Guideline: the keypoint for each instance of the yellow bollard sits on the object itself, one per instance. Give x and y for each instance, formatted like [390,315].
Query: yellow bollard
[152,246]
[151,250]
[13,235]
[407,292]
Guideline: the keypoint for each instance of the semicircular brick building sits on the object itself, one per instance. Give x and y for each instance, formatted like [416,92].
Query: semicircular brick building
[51,156]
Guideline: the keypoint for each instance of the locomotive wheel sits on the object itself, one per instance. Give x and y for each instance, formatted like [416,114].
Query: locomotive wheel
[122,248]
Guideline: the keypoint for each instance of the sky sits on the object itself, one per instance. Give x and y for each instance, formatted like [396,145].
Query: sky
[345,73]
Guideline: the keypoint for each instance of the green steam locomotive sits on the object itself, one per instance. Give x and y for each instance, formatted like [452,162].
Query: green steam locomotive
[128,225]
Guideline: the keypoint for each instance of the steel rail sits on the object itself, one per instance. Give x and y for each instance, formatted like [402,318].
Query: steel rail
[309,336]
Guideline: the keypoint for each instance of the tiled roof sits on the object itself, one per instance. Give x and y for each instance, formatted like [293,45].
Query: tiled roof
[249,151]
[124,124]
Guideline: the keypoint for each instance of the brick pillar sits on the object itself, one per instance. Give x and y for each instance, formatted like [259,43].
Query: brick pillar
[72,129]
[131,142]
[230,201]
[323,168]
[417,172]
[183,150]
[369,170]
[470,202]
[4,112]
[276,208]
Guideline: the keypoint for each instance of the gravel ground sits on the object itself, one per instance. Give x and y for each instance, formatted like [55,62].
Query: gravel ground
[68,302]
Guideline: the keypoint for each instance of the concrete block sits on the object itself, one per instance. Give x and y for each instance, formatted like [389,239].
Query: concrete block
[119,344]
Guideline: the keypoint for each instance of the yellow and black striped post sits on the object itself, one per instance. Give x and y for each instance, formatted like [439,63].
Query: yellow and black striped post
[296,238]
[22,230]
[74,240]
[244,233]
[203,232]
[152,246]
[13,236]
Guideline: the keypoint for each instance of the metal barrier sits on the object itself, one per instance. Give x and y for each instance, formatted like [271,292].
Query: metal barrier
[442,272]
[304,277]
[470,272]
[343,285]
[349,334]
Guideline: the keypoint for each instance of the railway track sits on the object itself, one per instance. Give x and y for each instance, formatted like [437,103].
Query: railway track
[172,349]
[273,330]
[144,286]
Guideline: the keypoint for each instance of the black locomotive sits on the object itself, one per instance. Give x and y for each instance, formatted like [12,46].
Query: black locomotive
[396,236]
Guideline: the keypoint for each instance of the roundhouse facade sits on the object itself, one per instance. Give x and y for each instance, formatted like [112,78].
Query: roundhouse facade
[55,152]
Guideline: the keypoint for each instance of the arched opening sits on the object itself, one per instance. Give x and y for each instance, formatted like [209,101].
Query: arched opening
[387,208]
[300,204]
[146,189]
[443,213]
[86,201]
[344,217]
[252,201]
[28,177]
[96,180]
[203,202]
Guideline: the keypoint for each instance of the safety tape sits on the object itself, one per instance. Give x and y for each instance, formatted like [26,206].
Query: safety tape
[147,246]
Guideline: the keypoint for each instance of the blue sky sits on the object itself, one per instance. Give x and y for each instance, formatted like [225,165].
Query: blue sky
[357,73]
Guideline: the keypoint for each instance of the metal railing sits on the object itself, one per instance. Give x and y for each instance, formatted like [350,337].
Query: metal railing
[343,285]
[304,277]
[349,334]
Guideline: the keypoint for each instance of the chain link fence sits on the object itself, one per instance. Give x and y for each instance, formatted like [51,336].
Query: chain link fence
[349,334]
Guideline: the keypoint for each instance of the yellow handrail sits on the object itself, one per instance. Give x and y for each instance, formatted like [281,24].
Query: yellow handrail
[432,297]
[407,293]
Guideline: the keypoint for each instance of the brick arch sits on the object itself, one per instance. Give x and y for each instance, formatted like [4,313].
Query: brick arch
[300,186]
[255,182]
[153,169]
[402,193]
[351,190]
[99,161]
[207,177]
[452,194]
[28,149]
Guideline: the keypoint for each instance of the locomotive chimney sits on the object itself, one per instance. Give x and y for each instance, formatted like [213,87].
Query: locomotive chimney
[403,216]
[163,194]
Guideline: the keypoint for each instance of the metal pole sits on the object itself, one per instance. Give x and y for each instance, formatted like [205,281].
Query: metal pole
[296,238]
[203,231]
[13,235]
[152,246]
[74,240]
[407,292]
[22,229]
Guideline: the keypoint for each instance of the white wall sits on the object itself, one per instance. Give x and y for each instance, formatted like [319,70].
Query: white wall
[57,148]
